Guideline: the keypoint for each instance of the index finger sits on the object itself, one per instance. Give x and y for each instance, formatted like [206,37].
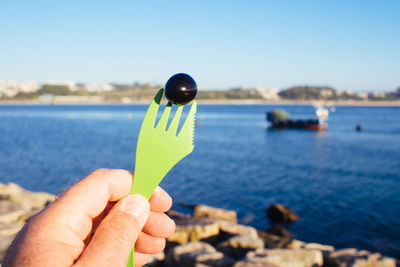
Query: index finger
[91,194]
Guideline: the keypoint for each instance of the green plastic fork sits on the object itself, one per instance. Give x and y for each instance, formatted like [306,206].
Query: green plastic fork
[158,149]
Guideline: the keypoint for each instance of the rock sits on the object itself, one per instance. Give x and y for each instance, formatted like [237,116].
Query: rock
[296,244]
[318,247]
[193,230]
[197,254]
[207,212]
[274,241]
[238,246]
[346,252]
[29,214]
[176,215]
[10,229]
[283,258]
[17,205]
[156,260]
[280,213]
[249,263]
[230,229]
[16,194]
[11,212]
[279,231]
[5,242]
[325,249]
[358,258]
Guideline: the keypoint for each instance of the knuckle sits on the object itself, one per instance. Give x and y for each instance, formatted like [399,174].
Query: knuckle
[120,172]
[100,171]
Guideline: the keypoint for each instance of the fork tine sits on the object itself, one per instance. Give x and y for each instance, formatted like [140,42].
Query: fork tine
[175,121]
[188,125]
[162,123]
[151,114]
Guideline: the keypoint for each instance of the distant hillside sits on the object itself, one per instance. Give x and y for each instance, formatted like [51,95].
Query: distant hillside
[117,93]
[328,93]
[238,93]
[308,93]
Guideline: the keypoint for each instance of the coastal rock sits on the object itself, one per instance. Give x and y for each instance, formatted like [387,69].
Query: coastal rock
[207,212]
[32,200]
[156,260]
[11,212]
[317,246]
[280,213]
[10,229]
[282,258]
[296,244]
[193,230]
[325,249]
[5,242]
[229,229]
[7,233]
[29,214]
[250,263]
[238,246]
[358,258]
[17,205]
[279,231]
[197,254]
[178,216]
[274,241]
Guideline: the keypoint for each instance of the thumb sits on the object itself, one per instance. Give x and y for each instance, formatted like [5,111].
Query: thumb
[117,233]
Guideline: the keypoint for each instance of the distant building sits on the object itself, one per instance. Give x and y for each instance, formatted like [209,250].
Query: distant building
[12,88]
[98,87]
[378,94]
[327,92]
[362,95]
[269,93]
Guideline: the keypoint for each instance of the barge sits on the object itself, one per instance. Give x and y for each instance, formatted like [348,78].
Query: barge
[280,119]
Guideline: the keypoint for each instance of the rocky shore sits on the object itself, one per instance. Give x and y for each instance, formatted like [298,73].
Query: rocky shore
[17,205]
[208,237]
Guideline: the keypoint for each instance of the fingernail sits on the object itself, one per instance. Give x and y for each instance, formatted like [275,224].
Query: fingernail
[139,207]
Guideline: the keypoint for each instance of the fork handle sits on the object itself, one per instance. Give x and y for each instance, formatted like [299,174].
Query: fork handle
[131,262]
[146,191]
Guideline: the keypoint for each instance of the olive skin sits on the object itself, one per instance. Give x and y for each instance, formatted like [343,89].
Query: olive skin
[180,89]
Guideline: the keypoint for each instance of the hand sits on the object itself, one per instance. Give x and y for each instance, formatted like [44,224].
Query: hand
[62,234]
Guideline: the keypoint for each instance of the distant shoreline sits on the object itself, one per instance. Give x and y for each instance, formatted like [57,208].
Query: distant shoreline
[300,102]
[223,102]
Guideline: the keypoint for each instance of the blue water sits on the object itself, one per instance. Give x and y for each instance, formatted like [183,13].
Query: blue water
[344,184]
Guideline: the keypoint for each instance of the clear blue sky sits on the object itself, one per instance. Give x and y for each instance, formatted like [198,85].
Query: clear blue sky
[344,44]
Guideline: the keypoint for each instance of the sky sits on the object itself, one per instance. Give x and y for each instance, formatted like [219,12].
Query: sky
[348,45]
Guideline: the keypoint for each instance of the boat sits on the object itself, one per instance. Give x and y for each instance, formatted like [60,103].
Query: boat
[280,119]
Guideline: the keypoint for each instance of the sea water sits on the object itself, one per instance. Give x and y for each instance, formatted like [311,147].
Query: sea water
[344,184]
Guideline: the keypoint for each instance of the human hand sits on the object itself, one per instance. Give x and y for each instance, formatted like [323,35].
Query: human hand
[61,235]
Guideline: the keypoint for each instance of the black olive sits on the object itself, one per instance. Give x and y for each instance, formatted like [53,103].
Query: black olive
[180,89]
